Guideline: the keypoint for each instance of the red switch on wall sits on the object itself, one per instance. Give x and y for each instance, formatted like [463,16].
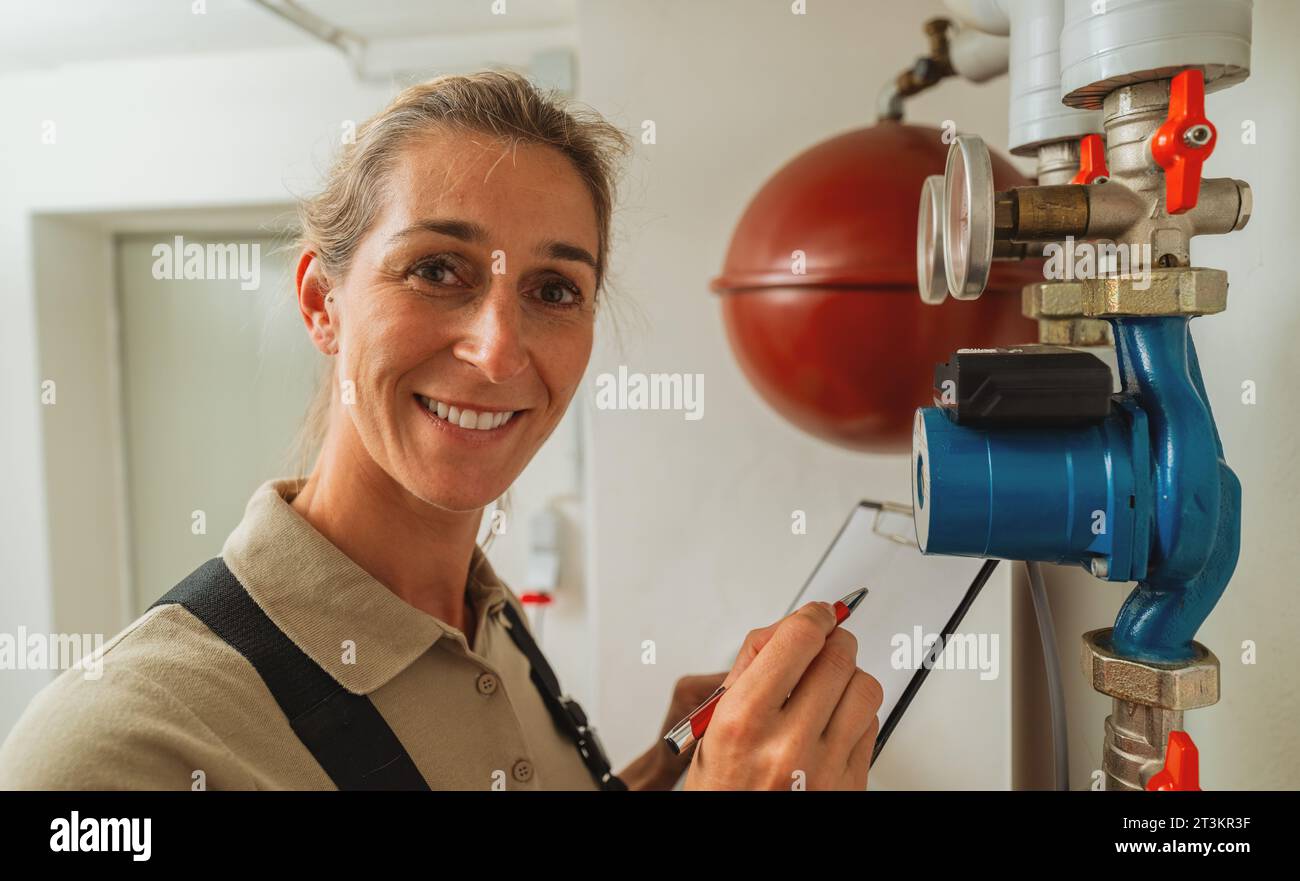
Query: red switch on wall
[1184,141]
[1182,770]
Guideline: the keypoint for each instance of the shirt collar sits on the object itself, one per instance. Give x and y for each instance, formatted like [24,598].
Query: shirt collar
[344,619]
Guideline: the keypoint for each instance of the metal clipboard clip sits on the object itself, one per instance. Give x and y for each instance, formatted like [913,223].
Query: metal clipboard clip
[883,508]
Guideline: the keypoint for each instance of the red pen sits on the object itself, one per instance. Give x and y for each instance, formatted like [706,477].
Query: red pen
[692,728]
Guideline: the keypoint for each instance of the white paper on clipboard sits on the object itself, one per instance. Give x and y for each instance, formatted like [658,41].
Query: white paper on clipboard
[907,590]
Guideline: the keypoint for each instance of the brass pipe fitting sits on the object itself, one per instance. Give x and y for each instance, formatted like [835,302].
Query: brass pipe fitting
[1041,214]
[1149,700]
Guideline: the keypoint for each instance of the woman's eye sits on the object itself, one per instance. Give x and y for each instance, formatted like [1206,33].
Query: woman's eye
[557,293]
[438,271]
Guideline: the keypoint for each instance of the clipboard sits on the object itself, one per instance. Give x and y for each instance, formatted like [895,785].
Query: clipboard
[876,548]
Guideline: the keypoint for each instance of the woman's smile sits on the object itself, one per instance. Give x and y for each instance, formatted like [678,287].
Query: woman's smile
[476,424]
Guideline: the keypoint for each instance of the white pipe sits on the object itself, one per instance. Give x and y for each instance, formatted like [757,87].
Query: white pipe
[978,56]
[989,16]
[1037,115]
[340,38]
[1055,689]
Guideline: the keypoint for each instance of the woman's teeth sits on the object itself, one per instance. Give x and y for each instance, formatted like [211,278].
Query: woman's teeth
[481,421]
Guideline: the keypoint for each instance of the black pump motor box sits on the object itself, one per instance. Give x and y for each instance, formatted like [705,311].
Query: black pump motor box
[1024,387]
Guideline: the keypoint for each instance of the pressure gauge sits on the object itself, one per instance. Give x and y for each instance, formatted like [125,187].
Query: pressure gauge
[968,217]
[930,276]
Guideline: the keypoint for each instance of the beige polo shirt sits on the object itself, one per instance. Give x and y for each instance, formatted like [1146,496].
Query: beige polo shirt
[176,706]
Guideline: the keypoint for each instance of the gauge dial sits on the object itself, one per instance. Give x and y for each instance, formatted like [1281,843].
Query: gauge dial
[968,217]
[931,278]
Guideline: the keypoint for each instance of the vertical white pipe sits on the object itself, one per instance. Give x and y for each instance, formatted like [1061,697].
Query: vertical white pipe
[1037,115]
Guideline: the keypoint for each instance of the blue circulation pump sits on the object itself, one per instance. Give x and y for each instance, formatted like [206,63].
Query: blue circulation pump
[1022,462]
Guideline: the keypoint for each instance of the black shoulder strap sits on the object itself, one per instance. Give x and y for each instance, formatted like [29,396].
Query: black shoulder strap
[564,710]
[343,731]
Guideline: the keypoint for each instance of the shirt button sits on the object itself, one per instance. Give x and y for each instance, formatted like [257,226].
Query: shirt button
[486,684]
[522,771]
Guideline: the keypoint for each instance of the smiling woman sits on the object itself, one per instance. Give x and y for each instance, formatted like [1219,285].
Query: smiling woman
[352,634]
[462,186]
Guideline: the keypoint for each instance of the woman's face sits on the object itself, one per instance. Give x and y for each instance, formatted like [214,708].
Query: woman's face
[465,320]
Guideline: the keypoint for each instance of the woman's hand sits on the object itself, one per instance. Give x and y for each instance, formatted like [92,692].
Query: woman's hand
[798,713]
[658,768]
[689,693]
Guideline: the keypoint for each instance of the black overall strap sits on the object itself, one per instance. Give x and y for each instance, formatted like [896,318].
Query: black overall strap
[564,710]
[343,731]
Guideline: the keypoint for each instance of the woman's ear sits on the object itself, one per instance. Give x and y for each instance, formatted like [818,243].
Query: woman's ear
[316,304]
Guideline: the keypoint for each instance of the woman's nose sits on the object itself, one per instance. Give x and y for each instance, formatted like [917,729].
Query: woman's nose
[493,339]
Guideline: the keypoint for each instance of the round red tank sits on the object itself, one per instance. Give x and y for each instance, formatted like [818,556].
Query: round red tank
[846,350]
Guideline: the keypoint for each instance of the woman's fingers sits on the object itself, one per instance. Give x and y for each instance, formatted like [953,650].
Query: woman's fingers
[855,714]
[822,687]
[795,702]
[695,688]
[754,641]
[859,765]
[777,667]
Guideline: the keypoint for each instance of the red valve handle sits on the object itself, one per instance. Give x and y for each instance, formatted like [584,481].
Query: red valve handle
[1178,153]
[536,598]
[1182,770]
[1092,161]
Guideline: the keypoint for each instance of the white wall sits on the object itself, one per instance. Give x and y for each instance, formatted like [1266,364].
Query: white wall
[82,480]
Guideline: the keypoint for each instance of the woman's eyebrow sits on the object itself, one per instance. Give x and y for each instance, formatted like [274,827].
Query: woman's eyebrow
[465,230]
[565,251]
[469,231]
